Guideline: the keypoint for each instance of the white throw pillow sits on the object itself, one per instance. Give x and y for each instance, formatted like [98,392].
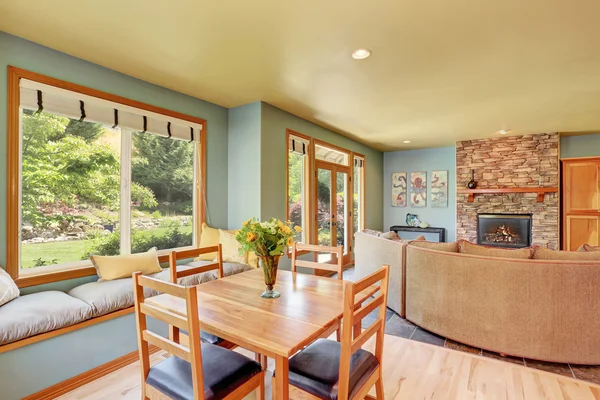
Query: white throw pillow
[8,289]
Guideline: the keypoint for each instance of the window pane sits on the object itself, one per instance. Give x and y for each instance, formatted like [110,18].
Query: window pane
[342,210]
[330,155]
[162,193]
[296,193]
[70,189]
[356,212]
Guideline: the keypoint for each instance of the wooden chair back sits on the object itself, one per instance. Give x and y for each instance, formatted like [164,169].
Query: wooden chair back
[193,354]
[300,248]
[376,285]
[174,256]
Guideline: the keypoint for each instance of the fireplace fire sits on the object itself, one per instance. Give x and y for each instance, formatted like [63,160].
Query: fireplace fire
[504,230]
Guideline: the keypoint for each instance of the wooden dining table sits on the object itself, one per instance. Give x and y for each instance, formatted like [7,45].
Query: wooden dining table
[232,309]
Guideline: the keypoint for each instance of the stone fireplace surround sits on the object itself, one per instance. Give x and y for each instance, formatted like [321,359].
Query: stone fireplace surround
[510,162]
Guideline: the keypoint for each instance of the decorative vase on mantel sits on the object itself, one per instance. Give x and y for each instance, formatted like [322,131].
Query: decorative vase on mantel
[472,183]
[269,265]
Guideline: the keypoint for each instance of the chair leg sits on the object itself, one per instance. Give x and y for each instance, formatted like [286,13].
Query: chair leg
[259,358]
[264,361]
[338,335]
[379,386]
[260,390]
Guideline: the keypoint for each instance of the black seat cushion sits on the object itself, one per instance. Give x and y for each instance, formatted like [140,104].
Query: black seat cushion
[206,337]
[316,369]
[224,371]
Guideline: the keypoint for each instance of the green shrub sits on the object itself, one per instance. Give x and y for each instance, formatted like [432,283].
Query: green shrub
[110,244]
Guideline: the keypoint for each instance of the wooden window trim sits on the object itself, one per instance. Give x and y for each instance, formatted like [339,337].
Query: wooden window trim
[13,169]
[307,191]
[363,193]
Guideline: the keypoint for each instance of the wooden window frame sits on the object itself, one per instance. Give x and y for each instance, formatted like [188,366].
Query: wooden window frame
[307,181]
[13,229]
[310,194]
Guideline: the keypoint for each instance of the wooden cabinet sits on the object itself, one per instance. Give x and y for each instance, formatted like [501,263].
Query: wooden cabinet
[581,202]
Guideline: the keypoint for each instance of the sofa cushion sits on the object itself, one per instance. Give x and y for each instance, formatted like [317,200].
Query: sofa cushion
[38,313]
[587,247]
[8,288]
[108,296]
[466,247]
[230,247]
[547,254]
[109,268]
[451,247]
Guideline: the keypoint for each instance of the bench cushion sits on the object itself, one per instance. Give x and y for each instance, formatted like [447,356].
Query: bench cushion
[109,296]
[38,313]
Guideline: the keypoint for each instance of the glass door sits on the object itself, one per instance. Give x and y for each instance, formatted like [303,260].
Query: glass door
[332,210]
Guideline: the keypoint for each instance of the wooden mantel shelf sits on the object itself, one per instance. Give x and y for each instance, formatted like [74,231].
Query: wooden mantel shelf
[541,191]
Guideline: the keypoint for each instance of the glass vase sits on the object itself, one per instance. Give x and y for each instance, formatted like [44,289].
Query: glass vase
[269,265]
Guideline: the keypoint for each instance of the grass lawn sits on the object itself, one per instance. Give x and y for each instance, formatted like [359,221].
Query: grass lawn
[73,250]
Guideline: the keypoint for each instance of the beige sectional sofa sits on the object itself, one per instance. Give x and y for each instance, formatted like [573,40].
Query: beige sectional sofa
[540,309]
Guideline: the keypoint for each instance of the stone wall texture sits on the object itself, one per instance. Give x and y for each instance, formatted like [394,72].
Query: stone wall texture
[513,161]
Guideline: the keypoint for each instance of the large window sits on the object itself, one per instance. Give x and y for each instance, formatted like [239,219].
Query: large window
[297,188]
[95,174]
[325,192]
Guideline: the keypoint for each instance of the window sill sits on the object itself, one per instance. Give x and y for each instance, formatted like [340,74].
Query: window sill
[55,273]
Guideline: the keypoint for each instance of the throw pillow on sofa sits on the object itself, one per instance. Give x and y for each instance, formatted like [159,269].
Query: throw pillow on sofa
[466,247]
[110,268]
[547,254]
[391,235]
[587,247]
[441,246]
[230,247]
[8,288]
[209,237]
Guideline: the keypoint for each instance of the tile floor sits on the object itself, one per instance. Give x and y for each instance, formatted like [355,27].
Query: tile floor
[398,326]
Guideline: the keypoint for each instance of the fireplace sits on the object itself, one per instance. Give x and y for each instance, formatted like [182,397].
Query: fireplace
[504,230]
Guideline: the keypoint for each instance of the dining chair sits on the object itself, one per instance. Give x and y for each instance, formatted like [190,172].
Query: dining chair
[337,255]
[327,369]
[200,371]
[336,252]
[175,334]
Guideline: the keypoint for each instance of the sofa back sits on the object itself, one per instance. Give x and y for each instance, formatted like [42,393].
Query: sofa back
[370,253]
[540,309]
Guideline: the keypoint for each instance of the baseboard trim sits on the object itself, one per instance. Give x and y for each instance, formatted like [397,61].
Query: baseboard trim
[73,383]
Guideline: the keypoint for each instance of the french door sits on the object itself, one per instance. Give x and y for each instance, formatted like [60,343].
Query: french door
[333,218]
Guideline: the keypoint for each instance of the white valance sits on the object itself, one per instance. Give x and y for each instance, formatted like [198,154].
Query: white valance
[37,96]
[298,145]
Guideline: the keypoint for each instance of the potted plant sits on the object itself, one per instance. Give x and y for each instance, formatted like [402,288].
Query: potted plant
[268,240]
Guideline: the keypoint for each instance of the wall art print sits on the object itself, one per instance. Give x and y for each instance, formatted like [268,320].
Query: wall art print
[439,188]
[399,189]
[418,189]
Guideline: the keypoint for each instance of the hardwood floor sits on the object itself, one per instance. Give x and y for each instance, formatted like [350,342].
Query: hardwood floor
[412,370]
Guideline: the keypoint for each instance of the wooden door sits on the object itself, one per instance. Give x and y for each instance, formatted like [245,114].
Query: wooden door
[582,229]
[582,186]
[332,188]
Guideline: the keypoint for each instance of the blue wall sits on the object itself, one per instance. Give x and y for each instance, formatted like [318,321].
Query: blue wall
[443,158]
[580,146]
[244,163]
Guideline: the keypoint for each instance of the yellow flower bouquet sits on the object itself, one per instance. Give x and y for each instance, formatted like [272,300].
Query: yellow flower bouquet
[268,240]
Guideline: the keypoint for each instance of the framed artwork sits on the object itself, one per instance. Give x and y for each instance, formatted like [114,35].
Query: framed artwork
[418,189]
[399,189]
[439,188]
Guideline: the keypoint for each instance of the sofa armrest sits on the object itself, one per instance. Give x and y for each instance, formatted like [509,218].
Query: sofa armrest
[371,252]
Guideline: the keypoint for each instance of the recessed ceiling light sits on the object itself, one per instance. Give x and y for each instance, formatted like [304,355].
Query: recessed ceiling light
[361,54]
[503,131]
[406,141]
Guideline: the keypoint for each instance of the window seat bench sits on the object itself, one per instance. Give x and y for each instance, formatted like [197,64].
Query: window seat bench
[38,316]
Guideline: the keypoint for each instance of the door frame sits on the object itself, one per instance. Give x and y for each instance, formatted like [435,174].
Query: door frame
[349,222]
